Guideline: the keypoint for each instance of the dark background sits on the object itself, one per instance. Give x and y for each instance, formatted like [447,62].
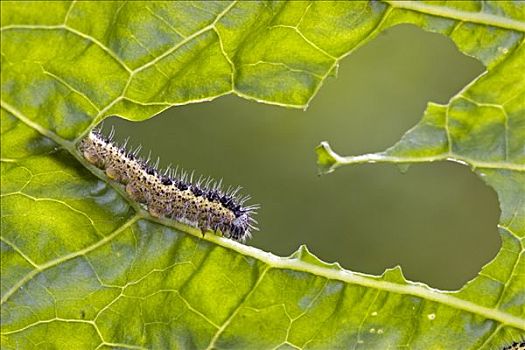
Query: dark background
[438,221]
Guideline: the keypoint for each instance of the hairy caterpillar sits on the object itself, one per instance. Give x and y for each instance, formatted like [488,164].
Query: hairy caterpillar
[174,195]
[517,345]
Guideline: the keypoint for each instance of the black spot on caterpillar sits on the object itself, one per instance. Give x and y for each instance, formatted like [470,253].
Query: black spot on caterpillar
[172,194]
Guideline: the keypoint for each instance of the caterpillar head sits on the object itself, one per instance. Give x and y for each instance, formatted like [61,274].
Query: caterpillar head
[240,227]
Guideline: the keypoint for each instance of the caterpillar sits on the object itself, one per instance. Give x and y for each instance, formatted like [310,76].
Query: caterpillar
[517,345]
[171,194]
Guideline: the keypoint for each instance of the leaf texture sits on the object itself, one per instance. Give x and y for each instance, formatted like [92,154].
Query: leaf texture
[83,267]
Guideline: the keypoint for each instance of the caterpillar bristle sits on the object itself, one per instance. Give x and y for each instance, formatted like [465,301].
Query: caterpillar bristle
[167,170]
[172,193]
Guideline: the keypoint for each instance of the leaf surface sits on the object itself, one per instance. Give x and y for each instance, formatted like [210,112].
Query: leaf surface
[83,267]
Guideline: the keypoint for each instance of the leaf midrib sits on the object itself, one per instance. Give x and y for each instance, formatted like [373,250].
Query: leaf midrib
[459,15]
[411,288]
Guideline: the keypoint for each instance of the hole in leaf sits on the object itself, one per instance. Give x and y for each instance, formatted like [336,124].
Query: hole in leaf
[438,221]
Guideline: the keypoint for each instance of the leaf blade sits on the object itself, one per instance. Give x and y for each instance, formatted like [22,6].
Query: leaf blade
[149,268]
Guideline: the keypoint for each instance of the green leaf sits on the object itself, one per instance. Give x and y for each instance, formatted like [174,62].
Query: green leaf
[83,267]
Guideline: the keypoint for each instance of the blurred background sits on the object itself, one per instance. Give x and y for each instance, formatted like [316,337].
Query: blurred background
[438,221]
